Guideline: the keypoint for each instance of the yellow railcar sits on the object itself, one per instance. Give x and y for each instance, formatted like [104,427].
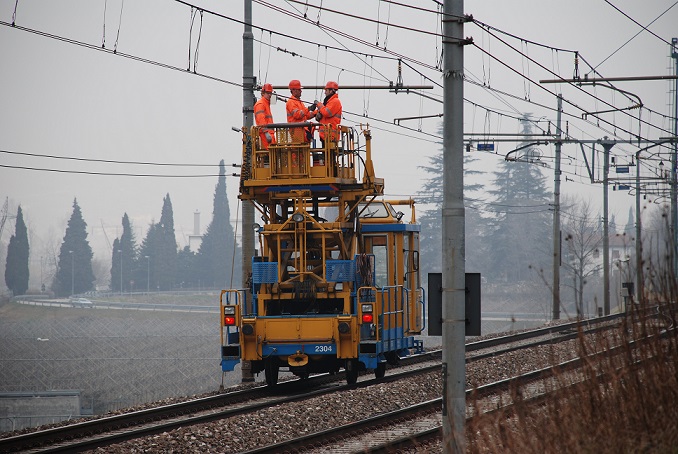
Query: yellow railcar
[335,282]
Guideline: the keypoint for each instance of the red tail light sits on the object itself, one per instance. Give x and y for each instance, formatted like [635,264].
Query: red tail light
[229,321]
[368,318]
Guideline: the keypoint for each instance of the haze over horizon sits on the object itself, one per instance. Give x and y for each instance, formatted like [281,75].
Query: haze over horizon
[64,100]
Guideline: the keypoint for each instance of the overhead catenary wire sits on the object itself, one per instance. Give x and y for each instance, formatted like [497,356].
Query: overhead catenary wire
[117,36]
[473,103]
[296,54]
[578,54]
[372,117]
[399,56]
[239,85]
[416,62]
[111,161]
[357,55]
[343,34]
[113,52]
[643,28]
[121,174]
[366,19]
[573,103]
[556,75]
[121,54]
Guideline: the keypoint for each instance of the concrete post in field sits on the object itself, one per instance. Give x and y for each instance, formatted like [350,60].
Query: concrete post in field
[640,283]
[556,217]
[607,146]
[453,216]
[248,120]
[674,163]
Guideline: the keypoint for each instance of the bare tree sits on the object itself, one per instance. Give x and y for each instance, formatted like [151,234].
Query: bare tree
[657,245]
[583,240]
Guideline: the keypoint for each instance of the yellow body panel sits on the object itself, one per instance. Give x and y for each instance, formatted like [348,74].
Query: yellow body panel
[300,330]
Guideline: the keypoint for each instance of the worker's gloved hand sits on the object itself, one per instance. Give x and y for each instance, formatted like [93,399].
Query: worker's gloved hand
[318,116]
[268,136]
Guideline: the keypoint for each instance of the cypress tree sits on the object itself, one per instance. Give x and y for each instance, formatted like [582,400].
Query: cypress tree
[74,271]
[187,273]
[116,282]
[149,248]
[431,219]
[167,247]
[215,255]
[128,248]
[519,232]
[16,268]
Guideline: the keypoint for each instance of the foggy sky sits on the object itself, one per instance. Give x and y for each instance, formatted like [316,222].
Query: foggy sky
[66,100]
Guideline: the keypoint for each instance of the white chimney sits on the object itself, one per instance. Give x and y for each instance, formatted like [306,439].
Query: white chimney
[196,223]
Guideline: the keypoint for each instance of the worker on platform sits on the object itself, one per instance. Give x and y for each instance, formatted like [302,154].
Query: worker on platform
[297,112]
[329,112]
[263,116]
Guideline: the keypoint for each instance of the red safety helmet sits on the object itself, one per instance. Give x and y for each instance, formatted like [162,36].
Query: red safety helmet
[267,88]
[295,84]
[332,84]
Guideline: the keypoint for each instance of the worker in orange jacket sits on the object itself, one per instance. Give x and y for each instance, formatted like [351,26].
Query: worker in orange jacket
[297,112]
[263,116]
[329,112]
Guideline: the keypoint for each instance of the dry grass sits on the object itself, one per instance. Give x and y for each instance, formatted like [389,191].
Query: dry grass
[628,404]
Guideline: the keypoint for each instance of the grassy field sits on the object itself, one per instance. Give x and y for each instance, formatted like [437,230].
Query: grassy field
[116,358]
[120,358]
[628,404]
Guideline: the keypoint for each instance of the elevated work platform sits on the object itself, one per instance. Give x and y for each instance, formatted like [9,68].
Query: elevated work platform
[299,164]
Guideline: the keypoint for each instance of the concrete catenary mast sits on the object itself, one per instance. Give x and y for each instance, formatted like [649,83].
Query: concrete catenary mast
[557,241]
[247,121]
[453,215]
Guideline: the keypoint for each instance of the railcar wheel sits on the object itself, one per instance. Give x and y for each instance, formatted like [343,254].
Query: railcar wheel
[380,370]
[271,371]
[351,371]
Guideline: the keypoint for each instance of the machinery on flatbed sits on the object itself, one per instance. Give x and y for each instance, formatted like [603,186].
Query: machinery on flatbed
[335,281]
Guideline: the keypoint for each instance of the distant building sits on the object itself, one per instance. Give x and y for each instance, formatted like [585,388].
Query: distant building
[195,240]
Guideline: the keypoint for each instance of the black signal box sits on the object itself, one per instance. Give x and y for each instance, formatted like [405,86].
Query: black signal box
[435,304]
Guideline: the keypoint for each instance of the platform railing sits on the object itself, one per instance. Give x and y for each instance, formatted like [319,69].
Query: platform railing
[295,154]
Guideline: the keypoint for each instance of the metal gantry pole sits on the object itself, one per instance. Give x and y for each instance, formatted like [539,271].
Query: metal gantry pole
[674,163]
[556,216]
[247,120]
[640,284]
[453,216]
[607,146]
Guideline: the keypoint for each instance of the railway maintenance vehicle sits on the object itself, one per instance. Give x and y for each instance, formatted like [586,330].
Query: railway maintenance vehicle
[335,280]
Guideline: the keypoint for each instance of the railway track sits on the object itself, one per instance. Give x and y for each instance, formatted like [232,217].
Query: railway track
[393,437]
[115,429]
[417,423]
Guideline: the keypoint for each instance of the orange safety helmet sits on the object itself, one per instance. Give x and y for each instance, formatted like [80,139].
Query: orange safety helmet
[267,88]
[332,84]
[295,84]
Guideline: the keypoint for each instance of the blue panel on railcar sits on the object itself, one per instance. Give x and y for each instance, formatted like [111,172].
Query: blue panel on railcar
[228,365]
[292,349]
[265,272]
[368,228]
[340,270]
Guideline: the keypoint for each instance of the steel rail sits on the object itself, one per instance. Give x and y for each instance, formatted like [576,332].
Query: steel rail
[99,427]
[434,434]
[408,413]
